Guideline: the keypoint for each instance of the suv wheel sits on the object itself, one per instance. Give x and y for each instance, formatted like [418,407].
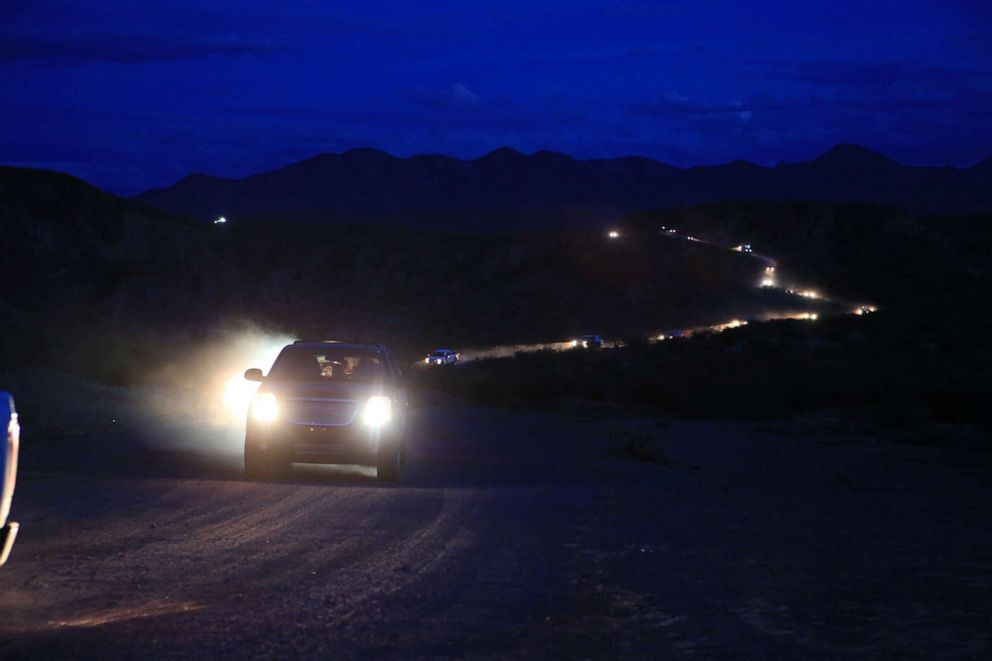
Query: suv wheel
[387,463]
[261,465]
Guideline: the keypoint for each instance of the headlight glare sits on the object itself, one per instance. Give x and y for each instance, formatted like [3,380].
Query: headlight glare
[378,411]
[265,408]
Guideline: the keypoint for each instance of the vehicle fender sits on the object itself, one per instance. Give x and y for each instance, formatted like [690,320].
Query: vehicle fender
[8,472]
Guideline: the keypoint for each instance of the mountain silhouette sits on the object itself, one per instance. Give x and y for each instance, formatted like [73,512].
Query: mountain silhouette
[508,189]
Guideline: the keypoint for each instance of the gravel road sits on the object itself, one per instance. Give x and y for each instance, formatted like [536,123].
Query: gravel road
[512,534]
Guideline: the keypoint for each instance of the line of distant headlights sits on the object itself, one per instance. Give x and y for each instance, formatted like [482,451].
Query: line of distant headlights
[377,412]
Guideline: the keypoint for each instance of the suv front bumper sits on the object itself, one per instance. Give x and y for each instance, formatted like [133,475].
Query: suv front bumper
[351,444]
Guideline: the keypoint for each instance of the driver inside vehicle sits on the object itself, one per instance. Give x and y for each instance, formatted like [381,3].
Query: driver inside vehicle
[367,370]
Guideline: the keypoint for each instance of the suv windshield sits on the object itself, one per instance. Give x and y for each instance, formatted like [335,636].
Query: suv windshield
[328,364]
[438,354]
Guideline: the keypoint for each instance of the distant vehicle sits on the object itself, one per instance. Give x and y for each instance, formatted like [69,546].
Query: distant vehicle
[441,357]
[8,473]
[676,335]
[589,342]
[744,247]
[328,402]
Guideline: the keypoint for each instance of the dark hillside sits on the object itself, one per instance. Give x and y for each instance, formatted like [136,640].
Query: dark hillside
[920,363]
[856,251]
[112,290]
[98,283]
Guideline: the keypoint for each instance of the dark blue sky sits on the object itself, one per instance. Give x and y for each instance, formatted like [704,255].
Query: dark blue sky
[132,95]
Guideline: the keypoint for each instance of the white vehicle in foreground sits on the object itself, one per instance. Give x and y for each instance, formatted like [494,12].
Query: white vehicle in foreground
[8,472]
[441,357]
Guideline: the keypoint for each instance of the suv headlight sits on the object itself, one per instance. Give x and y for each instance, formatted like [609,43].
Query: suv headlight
[378,411]
[265,408]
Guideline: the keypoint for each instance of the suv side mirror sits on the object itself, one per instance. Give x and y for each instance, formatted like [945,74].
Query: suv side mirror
[254,374]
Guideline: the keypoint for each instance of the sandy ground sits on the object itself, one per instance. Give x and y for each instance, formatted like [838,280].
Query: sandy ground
[512,534]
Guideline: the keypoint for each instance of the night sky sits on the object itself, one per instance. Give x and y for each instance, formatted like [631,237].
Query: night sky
[132,95]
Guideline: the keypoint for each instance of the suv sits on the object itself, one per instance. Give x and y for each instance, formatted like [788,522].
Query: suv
[590,342]
[8,472]
[327,402]
[441,357]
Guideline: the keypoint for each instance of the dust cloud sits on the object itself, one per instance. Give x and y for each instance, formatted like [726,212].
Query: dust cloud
[509,350]
[200,398]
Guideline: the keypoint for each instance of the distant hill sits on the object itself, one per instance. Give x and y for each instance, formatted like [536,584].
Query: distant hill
[112,288]
[509,190]
[96,283]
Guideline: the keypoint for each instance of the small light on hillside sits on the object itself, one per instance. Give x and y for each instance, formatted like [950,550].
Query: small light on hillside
[220,221]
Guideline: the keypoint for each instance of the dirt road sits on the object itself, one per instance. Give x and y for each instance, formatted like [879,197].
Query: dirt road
[512,534]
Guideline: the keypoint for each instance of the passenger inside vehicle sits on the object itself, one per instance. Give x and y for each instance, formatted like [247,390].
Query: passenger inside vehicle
[304,365]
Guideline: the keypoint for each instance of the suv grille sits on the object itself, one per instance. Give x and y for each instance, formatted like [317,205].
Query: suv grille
[321,412]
